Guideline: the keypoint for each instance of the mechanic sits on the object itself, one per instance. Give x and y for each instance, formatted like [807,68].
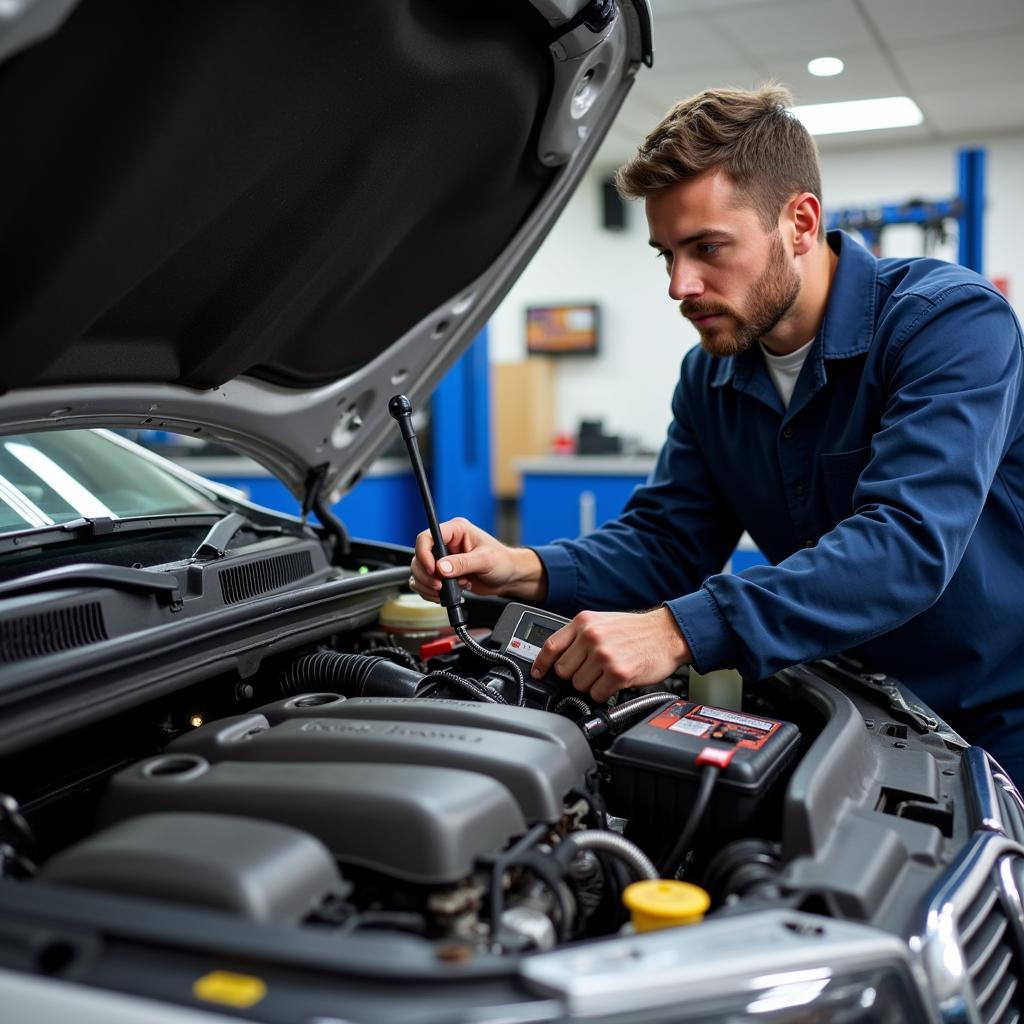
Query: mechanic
[861,418]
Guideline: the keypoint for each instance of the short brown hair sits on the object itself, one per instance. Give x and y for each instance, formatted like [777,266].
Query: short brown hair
[750,134]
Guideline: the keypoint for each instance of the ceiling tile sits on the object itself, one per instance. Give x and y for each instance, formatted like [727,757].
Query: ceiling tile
[969,61]
[693,43]
[868,74]
[956,112]
[796,31]
[914,20]
[665,9]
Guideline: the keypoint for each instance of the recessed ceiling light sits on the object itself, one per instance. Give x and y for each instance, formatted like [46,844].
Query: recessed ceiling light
[859,115]
[825,67]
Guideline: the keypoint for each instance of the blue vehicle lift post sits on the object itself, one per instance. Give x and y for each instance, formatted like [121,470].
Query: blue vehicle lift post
[967,208]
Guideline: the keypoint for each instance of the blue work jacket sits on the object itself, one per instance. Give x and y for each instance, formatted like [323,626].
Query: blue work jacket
[889,498]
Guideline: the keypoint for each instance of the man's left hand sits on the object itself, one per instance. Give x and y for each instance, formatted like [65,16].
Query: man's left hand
[602,652]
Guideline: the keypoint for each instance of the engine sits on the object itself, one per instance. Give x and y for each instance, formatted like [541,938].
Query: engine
[471,821]
[430,815]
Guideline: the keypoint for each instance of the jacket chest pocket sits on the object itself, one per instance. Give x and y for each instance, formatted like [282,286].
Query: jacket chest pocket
[839,474]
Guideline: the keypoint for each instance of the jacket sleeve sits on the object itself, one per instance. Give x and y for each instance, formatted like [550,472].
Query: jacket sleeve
[673,532]
[954,406]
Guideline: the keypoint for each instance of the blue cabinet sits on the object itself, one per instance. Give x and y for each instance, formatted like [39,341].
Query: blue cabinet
[569,495]
[566,496]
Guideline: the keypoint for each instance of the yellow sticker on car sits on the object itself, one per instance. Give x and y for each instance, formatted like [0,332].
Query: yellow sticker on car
[228,989]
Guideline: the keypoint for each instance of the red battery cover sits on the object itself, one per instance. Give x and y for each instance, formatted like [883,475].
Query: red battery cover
[739,728]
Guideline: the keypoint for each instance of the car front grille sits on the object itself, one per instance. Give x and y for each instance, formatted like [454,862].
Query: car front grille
[259,577]
[992,955]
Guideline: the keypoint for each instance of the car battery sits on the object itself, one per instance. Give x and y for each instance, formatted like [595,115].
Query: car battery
[657,764]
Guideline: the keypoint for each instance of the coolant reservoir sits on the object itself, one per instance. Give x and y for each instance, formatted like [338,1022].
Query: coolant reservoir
[721,689]
[664,903]
[410,616]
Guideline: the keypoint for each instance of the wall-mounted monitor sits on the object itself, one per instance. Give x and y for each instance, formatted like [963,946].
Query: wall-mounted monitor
[569,329]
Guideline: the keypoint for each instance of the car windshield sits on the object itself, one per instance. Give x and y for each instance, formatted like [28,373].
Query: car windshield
[57,476]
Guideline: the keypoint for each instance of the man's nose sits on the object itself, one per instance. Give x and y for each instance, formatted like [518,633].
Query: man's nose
[684,282]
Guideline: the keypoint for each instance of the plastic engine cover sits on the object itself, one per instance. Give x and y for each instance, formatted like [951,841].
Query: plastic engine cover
[258,870]
[419,823]
[537,772]
[541,725]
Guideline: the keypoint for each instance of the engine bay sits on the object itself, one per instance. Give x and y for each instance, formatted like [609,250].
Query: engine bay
[396,781]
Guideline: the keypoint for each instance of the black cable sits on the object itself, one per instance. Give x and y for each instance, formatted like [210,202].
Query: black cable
[550,873]
[435,680]
[400,655]
[503,659]
[679,850]
[500,865]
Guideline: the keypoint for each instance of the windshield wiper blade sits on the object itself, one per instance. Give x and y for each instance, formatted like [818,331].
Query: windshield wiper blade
[215,543]
[79,529]
[162,585]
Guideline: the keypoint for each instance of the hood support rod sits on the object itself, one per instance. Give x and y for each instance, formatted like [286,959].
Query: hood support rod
[316,502]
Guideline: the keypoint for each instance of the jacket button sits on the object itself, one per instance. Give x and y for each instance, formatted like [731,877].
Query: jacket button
[788,432]
[798,490]
[809,543]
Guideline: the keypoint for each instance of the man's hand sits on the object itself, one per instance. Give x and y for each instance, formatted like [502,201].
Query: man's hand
[478,562]
[602,652]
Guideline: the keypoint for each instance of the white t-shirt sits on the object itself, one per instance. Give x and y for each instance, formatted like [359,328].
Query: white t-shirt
[784,370]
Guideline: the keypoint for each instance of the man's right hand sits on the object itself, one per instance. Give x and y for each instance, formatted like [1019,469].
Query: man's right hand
[479,562]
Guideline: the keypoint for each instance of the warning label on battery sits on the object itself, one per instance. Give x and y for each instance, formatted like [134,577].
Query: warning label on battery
[715,724]
[691,726]
[730,716]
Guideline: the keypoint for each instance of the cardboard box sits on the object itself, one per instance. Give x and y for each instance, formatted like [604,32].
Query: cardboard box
[524,418]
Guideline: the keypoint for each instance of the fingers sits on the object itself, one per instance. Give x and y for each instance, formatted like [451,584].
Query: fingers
[604,687]
[425,552]
[469,563]
[554,647]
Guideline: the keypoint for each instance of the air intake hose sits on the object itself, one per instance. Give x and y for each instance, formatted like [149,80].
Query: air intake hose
[354,675]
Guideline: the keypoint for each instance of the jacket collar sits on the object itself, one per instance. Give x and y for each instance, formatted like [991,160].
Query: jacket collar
[848,325]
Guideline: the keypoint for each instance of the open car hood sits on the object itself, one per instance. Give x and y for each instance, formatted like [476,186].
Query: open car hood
[254,221]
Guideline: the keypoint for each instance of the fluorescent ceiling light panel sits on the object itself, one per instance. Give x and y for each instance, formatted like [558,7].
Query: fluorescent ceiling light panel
[825,67]
[859,115]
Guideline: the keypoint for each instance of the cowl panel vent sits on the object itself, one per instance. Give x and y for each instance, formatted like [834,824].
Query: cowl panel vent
[51,631]
[244,581]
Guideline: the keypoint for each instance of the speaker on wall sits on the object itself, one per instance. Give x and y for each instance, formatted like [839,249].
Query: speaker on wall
[613,207]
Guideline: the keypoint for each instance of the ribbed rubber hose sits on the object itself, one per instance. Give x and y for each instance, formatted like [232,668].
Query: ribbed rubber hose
[574,702]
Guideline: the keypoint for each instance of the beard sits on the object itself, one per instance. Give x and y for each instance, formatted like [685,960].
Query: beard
[771,297]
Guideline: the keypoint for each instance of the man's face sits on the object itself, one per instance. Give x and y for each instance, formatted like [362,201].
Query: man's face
[734,281]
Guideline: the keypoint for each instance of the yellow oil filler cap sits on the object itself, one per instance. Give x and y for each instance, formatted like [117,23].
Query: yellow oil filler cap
[665,903]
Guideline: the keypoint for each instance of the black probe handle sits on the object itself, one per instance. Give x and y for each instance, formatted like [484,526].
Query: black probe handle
[400,409]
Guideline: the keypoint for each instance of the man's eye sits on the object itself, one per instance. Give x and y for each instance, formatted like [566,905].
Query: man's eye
[709,248]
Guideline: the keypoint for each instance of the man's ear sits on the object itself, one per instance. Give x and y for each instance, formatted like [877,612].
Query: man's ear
[803,213]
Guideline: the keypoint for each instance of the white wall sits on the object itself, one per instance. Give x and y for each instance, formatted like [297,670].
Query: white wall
[630,382]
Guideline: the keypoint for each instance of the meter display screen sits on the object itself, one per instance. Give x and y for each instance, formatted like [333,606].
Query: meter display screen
[538,634]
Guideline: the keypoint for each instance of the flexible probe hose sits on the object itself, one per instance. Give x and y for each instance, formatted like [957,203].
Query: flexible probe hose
[610,842]
[618,716]
[482,652]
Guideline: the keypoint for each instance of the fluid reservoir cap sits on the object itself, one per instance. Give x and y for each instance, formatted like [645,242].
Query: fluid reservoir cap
[665,903]
[410,613]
